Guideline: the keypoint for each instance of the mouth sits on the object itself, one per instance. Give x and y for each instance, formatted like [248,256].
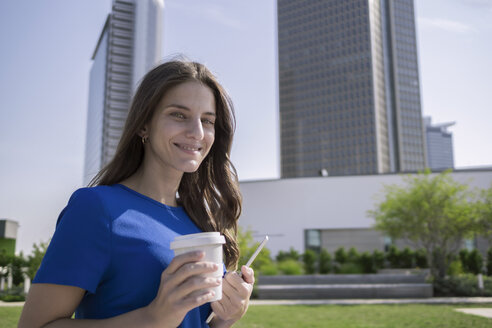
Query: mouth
[189,148]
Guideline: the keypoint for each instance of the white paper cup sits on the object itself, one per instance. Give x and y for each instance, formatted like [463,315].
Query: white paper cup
[208,242]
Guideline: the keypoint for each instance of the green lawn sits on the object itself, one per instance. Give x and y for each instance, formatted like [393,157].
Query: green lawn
[9,316]
[339,316]
[363,316]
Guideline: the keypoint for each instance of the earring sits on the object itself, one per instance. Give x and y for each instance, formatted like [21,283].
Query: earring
[144,140]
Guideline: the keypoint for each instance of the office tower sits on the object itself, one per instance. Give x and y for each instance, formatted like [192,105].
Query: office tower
[439,143]
[129,45]
[348,88]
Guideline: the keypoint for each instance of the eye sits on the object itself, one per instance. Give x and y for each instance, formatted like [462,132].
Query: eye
[208,121]
[178,115]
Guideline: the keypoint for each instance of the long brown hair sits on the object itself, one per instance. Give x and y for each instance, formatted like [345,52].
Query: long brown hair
[210,195]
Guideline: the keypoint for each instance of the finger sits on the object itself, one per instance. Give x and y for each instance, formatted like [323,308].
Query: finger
[248,274]
[180,260]
[196,284]
[188,270]
[197,299]
[237,283]
[218,307]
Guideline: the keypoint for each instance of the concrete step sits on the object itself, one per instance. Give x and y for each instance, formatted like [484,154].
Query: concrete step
[343,279]
[352,286]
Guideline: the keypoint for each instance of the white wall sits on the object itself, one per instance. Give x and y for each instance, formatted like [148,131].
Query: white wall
[284,208]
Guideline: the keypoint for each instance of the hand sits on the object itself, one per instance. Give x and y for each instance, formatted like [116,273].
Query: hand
[236,292]
[183,287]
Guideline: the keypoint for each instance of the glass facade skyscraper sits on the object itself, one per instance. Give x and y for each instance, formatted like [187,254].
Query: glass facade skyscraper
[439,143]
[349,87]
[129,45]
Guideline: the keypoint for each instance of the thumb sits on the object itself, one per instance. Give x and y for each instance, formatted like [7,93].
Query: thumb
[248,274]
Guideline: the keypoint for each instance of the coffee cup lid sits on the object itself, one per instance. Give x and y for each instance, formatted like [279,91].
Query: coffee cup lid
[197,239]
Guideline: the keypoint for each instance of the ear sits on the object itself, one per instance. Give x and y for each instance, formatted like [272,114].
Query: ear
[144,132]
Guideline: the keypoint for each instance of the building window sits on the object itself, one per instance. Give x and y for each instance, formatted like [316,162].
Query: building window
[312,239]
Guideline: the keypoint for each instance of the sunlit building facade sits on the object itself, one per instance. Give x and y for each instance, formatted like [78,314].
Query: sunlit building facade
[348,88]
[129,45]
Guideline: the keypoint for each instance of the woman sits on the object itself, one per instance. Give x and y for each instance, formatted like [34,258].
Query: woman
[109,260]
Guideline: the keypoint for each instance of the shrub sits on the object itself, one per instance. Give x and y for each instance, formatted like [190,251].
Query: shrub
[474,262]
[462,285]
[463,256]
[455,268]
[349,268]
[353,255]
[324,261]
[269,269]
[366,263]
[291,254]
[406,258]
[340,255]
[290,267]
[378,259]
[309,258]
[489,262]
[393,257]
[421,258]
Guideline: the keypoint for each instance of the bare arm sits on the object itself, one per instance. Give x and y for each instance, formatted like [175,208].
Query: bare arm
[183,287]
[52,306]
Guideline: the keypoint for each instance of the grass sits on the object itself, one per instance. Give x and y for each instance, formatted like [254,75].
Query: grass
[9,316]
[339,316]
[363,316]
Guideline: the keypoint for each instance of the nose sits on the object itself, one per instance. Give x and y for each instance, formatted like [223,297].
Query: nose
[195,129]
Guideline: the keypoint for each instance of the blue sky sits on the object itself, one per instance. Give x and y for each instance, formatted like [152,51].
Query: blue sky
[44,73]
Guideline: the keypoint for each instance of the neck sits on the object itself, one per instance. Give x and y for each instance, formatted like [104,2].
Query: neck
[160,185]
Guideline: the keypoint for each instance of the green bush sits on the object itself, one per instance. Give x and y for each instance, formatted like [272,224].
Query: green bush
[353,255]
[309,258]
[16,294]
[366,263]
[489,262]
[462,285]
[269,269]
[474,262]
[350,268]
[393,257]
[324,262]
[292,254]
[421,259]
[406,258]
[378,259]
[13,298]
[290,267]
[463,256]
[455,268]
[341,256]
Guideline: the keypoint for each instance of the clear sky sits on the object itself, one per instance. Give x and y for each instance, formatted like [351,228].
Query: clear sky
[44,74]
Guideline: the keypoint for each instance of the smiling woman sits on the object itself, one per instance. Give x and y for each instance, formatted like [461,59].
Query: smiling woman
[109,258]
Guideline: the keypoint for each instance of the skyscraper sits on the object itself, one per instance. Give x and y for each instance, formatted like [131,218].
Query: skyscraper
[439,143]
[129,45]
[349,87]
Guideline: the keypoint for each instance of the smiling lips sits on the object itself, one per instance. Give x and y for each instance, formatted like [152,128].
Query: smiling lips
[188,148]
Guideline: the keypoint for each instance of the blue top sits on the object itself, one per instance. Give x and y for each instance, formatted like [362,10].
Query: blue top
[114,242]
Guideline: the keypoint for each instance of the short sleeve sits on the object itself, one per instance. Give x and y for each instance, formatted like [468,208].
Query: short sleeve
[80,250]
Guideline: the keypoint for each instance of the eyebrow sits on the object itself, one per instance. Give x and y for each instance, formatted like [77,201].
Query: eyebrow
[186,108]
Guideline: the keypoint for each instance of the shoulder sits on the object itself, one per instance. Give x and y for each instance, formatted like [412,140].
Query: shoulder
[98,195]
[87,202]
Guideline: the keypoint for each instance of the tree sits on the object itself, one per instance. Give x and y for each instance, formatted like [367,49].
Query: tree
[34,260]
[247,247]
[485,213]
[433,212]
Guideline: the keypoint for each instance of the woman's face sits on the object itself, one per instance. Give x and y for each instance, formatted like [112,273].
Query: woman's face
[181,131]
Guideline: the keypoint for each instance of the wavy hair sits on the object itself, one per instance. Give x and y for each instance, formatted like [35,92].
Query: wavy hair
[210,195]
